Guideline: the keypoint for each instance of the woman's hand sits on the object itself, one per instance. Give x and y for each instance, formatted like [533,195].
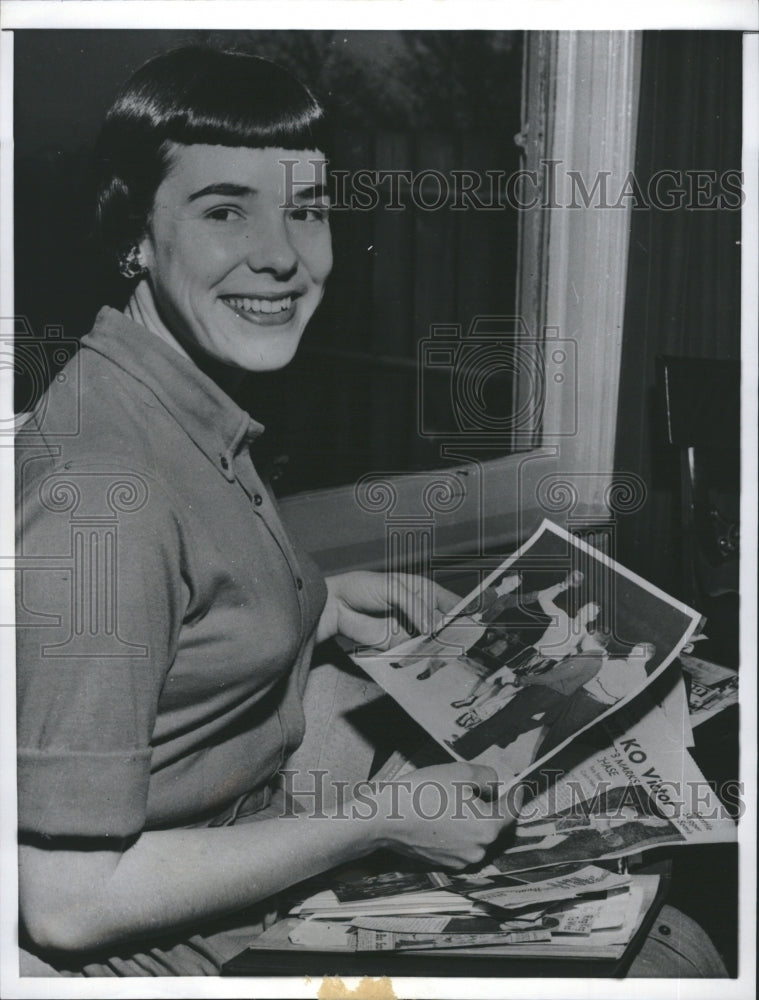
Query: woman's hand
[447,815]
[377,609]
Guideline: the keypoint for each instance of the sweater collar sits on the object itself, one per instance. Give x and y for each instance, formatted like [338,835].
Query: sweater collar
[217,425]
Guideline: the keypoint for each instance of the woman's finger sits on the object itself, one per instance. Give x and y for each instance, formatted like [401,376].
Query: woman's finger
[441,599]
[445,600]
[423,602]
[484,779]
[394,635]
[368,630]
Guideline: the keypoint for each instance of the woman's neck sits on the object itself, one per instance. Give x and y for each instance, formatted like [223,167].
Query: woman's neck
[141,308]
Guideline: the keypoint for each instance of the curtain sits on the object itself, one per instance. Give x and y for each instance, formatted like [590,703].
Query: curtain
[683,288]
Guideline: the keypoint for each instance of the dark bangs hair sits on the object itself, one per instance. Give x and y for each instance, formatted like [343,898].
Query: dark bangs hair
[195,94]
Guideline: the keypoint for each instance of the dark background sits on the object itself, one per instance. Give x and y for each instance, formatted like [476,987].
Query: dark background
[683,285]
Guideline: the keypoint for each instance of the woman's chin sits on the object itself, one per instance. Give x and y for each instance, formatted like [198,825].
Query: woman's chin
[260,344]
[269,352]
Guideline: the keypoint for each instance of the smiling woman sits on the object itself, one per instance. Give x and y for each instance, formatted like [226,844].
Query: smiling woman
[238,221]
[237,264]
[161,678]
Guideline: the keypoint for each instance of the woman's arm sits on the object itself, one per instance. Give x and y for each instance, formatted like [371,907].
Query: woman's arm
[77,897]
[79,893]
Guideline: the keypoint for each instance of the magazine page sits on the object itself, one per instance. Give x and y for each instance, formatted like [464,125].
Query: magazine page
[554,640]
[713,688]
[669,692]
[640,791]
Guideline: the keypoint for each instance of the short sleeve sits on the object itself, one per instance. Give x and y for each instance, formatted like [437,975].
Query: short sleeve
[98,594]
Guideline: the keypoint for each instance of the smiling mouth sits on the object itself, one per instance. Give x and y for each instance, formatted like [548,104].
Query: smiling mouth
[269,311]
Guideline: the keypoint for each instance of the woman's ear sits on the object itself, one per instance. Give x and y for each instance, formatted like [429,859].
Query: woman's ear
[132,263]
[146,252]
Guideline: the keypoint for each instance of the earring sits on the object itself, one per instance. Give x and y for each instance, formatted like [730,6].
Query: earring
[131,265]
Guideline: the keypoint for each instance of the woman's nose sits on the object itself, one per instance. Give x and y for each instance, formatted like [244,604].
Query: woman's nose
[270,248]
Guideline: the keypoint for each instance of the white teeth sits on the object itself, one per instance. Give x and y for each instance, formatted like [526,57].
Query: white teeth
[261,305]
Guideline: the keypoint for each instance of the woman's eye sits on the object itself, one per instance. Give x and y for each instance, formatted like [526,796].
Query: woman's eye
[311,213]
[224,213]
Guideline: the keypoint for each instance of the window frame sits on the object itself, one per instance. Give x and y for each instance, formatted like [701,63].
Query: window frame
[587,124]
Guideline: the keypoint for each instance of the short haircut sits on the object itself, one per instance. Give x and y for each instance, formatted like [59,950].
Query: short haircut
[194,94]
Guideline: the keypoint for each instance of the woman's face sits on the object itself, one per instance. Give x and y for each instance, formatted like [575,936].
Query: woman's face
[238,250]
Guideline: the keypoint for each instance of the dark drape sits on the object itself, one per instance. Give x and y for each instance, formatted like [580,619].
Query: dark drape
[683,292]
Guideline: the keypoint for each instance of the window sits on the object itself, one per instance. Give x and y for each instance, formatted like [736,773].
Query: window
[424,241]
[579,110]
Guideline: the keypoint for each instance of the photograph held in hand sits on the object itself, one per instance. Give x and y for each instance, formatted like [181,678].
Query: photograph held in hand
[540,652]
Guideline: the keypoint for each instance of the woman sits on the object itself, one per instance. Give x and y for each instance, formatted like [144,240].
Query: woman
[161,678]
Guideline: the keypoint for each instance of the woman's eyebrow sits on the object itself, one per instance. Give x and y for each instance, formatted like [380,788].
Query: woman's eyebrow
[226,188]
[311,193]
